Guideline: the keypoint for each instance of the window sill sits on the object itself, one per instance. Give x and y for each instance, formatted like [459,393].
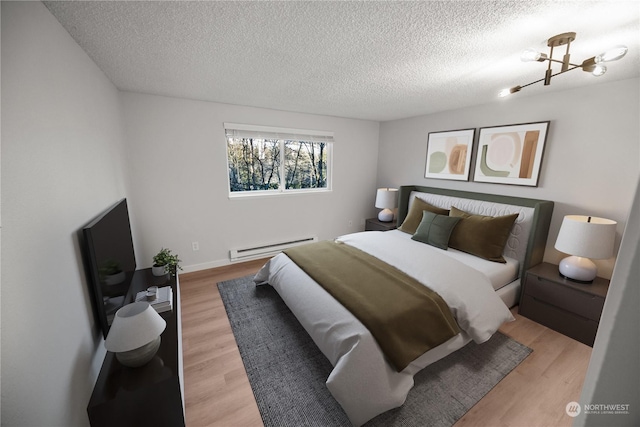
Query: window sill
[263,194]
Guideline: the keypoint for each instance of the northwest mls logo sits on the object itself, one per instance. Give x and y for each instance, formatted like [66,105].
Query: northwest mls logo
[572,409]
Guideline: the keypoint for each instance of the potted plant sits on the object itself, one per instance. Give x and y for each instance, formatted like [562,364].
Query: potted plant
[164,262]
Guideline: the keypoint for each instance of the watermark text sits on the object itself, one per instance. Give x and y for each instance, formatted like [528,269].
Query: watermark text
[573,409]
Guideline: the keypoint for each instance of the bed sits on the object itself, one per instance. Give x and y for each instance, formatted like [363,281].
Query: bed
[478,292]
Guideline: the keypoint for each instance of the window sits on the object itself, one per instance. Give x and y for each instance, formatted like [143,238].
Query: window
[265,160]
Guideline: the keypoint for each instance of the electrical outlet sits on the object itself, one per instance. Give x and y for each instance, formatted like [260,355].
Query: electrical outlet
[195,246]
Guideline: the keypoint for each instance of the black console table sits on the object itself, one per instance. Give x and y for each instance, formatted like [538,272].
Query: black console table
[151,395]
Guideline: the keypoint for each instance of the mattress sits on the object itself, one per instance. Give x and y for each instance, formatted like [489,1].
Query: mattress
[497,273]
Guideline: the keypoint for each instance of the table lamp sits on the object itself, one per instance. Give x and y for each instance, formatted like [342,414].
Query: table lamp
[386,199]
[584,237]
[134,335]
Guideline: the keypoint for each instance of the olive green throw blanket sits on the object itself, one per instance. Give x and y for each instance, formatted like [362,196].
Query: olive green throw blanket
[405,317]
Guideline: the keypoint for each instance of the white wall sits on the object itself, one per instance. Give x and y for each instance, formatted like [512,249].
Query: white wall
[591,160]
[179,189]
[62,144]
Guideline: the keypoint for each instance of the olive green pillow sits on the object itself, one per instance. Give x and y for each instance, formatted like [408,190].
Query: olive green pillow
[482,236]
[435,229]
[413,218]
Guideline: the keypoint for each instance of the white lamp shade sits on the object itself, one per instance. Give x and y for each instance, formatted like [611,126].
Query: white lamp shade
[585,236]
[387,198]
[134,326]
[612,54]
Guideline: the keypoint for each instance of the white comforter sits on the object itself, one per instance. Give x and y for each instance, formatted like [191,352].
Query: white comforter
[362,381]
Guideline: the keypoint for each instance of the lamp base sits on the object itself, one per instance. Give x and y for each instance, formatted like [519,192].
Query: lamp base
[139,356]
[579,269]
[385,215]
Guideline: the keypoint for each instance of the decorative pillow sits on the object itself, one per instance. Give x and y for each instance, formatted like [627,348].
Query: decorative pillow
[412,221]
[482,236]
[435,229]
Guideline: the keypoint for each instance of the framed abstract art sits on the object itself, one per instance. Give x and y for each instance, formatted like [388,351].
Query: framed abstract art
[449,154]
[511,154]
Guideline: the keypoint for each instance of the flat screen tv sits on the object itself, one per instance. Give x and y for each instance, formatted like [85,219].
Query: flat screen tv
[111,261]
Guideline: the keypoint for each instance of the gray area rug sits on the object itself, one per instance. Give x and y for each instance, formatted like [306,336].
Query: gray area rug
[287,371]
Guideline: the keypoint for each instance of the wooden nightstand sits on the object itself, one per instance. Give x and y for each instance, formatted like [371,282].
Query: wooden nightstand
[568,307]
[374,224]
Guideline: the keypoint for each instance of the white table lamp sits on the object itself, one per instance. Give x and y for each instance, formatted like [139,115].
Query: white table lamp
[386,199]
[135,334]
[584,237]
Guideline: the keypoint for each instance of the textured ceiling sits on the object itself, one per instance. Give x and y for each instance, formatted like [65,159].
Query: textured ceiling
[369,60]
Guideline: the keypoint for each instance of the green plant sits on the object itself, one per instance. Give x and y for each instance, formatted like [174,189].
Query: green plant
[168,260]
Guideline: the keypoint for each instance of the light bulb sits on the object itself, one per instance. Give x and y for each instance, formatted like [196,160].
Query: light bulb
[506,92]
[530,55]
[599,70]
[612,54]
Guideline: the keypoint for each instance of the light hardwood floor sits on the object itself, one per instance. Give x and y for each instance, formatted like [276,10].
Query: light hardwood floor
[217,391]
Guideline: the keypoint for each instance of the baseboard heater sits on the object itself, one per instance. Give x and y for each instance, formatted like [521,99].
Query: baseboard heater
[266,250]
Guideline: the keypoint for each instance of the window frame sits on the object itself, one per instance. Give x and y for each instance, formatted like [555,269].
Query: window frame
[244,131]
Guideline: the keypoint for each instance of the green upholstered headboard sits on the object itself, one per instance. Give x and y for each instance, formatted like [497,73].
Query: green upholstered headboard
[539,231]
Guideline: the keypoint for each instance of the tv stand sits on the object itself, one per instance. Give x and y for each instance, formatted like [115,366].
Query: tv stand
[153,394]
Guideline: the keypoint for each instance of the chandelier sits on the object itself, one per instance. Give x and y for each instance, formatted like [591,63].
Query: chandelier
[593,65]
